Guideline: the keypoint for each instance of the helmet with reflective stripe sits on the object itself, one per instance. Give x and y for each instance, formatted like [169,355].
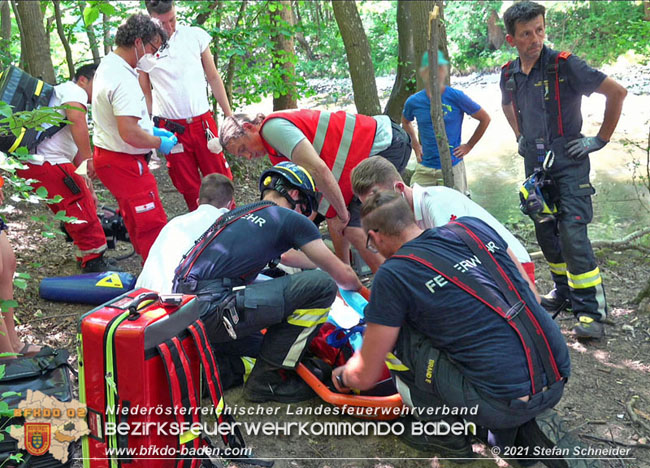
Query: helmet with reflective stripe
[286,176]
[535,198]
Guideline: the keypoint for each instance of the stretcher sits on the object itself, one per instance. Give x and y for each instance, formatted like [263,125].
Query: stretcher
[384,403]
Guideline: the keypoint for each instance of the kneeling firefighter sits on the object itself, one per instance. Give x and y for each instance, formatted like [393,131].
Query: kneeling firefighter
[221,266]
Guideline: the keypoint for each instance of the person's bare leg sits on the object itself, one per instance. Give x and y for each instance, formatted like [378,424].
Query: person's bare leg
[7,270]
[6,346]
[357,238]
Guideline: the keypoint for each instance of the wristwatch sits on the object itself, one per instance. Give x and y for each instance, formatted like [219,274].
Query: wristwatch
[339,380]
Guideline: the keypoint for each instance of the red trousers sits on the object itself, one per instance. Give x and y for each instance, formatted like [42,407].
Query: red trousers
[530,269]
[184,166]
[134,187]
[88,236]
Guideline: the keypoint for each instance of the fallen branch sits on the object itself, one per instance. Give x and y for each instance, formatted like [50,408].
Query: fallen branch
[621,244]
[39,319]
[612,441]
[629,408]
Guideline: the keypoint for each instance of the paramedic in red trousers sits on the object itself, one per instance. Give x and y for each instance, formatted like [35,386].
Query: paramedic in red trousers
[542,123]
[178,76]
[434,206]
[221,270]
[328,145]
[448,347]
[124,133]
[53,166]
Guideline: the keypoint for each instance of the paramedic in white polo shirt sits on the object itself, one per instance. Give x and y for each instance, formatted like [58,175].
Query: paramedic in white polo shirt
[178,76]
[180,233]
[434,206]
[53,166]
[124,133]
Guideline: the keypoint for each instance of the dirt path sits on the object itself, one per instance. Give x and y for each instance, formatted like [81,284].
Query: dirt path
[605,376]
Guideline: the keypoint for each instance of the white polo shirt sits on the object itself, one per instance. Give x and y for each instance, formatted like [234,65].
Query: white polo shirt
[178,79]
[117,92]
[174,241]
[436,206]
[61,148]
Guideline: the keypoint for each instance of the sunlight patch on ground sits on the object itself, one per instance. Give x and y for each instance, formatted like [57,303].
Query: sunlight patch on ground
[637,366]
[577,346]
[618,313]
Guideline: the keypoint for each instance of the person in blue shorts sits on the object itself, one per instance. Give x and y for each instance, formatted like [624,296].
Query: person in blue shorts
[455,104]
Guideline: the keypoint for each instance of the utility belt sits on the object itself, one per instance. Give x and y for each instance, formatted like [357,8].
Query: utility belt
[538,149]
[225,296]
[179,125]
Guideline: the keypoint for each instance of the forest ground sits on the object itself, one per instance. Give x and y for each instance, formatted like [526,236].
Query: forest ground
[606,375]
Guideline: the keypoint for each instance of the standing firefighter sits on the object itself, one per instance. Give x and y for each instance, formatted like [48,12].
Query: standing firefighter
[541,96]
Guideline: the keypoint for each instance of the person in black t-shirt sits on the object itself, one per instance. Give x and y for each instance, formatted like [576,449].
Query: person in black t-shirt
[541,97]
[450,347]
[220,269]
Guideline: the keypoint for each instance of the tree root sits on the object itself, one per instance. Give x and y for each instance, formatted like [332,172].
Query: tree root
[629,408]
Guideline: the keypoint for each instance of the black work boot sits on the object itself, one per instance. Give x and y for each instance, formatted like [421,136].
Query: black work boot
[100,264]
[270,383]
[445,446]
[554,303]
[588,328]
[548,434]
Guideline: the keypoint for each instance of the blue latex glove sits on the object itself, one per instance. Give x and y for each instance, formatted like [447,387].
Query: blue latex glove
[581,147]
[167,143]
[161,132]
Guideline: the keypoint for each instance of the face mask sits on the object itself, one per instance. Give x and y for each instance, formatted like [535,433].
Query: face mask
[146,63]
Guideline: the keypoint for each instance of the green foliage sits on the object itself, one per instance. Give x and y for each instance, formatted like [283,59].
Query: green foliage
[599,31]
[12,122]
[467,35]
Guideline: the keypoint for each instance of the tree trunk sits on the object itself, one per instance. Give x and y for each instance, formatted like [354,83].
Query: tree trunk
[406,63]
[203,17]
[21,31]
[38,61]
[436,103]
[496,36]
[419,25]
[646,10]
[357,49]
[64,40]
[106,33]
[281,55]
[92,39]
[230,70]
[300,37]
[5,32]
[215,48]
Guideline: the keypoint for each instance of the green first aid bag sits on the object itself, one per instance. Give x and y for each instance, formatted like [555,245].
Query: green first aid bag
[23,92]
[47,372]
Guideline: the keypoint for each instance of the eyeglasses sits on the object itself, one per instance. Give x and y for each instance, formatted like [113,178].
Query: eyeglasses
[369,243]
[155,49]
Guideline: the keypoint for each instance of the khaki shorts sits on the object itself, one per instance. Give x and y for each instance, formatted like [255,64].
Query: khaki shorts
[426,177]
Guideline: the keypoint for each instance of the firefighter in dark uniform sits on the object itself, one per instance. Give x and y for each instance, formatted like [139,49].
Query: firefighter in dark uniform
[541,98]
[452,347]
[223,264]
